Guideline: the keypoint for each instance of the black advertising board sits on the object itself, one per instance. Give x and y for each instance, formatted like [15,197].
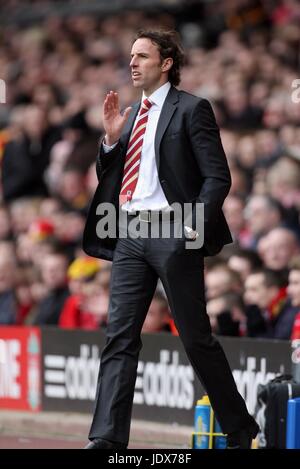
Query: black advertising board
[166,387]
[70,367]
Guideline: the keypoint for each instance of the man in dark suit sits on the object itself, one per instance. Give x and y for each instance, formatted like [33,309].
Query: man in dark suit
[164,150]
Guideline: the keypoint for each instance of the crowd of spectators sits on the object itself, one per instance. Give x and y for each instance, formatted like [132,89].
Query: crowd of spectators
[57,72]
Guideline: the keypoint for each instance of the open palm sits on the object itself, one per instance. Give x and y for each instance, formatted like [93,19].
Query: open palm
[113,120]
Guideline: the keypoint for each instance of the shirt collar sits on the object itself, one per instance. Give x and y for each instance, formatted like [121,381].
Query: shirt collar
[159,95]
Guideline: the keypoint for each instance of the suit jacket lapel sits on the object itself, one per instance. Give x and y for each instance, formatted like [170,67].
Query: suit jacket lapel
[168,109]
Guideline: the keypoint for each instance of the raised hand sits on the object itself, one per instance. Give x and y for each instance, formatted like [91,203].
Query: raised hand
[113,120]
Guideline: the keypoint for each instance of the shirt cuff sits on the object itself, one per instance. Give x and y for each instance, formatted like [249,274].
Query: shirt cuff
[107,148]
[190,233]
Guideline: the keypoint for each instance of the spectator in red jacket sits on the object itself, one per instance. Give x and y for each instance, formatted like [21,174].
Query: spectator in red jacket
[81,308]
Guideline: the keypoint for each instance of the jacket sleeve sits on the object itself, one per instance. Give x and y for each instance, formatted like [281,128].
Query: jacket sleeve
[208,151]
[105,159]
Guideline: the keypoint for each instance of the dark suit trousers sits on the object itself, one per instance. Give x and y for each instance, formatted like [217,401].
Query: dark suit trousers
[136,267]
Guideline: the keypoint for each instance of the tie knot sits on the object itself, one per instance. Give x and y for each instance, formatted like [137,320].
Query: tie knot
[146,104]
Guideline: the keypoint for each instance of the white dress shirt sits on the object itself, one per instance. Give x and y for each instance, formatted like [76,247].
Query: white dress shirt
[148,194]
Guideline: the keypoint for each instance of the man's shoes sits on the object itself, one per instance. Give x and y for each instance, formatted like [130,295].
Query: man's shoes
[99,443]
[242,439]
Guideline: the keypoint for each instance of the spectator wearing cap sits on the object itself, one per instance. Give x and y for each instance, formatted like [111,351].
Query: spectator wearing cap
[82,310]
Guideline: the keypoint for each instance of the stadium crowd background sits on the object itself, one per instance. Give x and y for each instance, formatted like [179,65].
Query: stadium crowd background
[244,56]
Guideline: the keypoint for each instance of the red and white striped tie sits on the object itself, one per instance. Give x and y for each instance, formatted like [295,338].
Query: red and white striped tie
[133,155]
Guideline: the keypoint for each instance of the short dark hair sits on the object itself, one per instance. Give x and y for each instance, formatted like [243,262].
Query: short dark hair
[232,299]
[168,43]
[251,256]
[272,278]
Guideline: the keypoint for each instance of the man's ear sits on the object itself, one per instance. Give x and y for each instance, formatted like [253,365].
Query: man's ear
[167,64]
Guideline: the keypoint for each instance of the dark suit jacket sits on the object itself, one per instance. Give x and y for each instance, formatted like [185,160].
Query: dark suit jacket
[191,165]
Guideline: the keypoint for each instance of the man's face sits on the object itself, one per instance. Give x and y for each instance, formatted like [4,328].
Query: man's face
[148,71]
[214,308]
[233,209]
[217,282]
[54,271]
[255,291]
[257,215]
[279,250]
[7,269]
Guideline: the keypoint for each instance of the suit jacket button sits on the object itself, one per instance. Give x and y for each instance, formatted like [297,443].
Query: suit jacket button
[163,181]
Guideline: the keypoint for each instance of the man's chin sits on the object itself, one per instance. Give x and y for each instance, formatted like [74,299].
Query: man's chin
[137,85]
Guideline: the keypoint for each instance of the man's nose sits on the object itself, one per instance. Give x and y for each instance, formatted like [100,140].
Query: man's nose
[132,62]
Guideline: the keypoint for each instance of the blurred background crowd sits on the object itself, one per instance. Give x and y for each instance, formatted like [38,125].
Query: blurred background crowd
[58,60]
